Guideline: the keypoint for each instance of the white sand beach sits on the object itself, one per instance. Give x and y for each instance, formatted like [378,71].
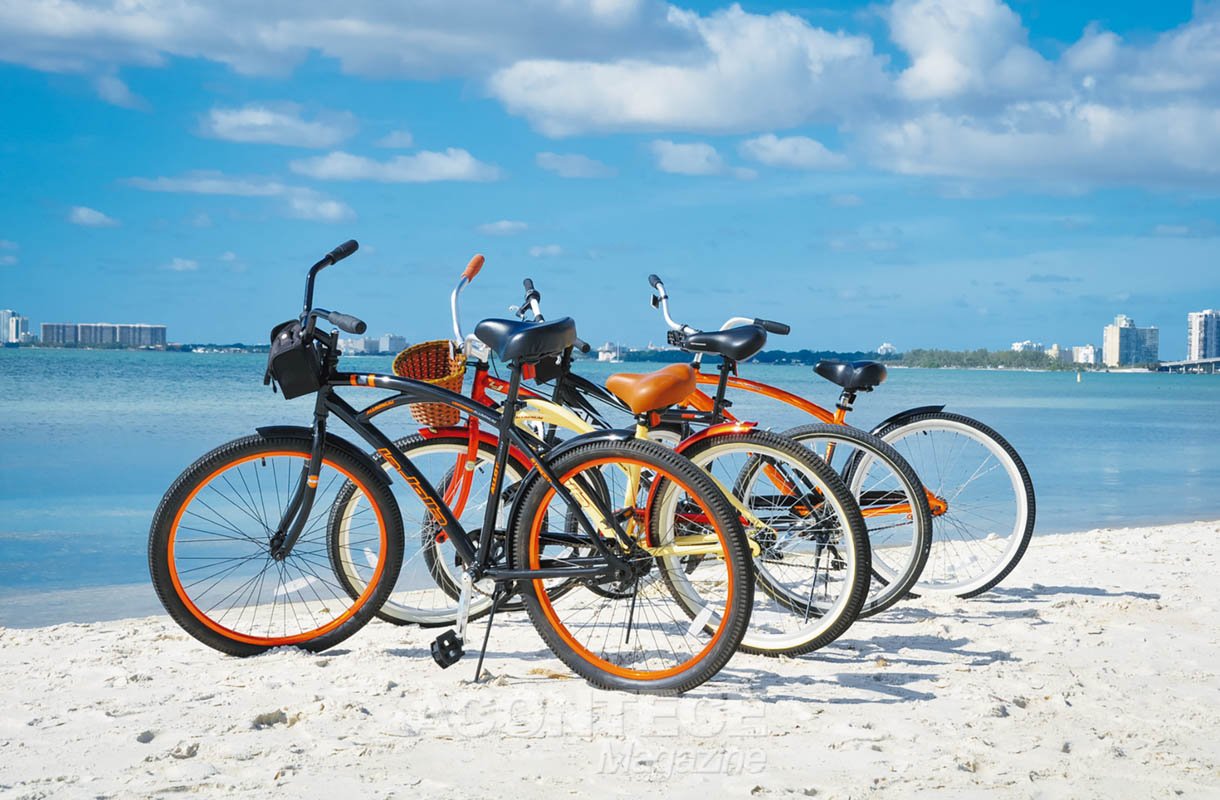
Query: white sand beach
[1092,672]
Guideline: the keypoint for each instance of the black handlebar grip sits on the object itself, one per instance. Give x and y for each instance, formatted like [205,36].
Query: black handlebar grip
[528,283]
[343,251]
[582,346]
[653,280]
[346,322]
[774,327]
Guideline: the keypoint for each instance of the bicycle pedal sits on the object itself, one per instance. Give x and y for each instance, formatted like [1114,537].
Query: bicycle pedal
[447,649]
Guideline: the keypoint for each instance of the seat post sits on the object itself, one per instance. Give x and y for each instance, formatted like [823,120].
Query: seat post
[719,403]
[507,416]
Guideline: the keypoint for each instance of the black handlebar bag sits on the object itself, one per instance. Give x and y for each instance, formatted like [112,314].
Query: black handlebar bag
[294,362]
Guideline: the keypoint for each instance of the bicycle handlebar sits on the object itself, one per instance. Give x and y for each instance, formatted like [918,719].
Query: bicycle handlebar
[773,327]
[346,322]
[343,251]
[661,300]
[473,267]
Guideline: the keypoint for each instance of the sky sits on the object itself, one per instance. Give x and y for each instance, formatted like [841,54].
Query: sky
[932,173]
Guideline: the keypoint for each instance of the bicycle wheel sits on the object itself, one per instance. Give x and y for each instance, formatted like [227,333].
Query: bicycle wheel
[209,550]
[983,533]
[427,588]
[636,637]
[812,560]
[892,502]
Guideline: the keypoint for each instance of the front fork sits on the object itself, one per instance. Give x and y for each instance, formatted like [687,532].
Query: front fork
[292,523]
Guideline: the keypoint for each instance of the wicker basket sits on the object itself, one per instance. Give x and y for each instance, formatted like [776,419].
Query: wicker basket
[440,364]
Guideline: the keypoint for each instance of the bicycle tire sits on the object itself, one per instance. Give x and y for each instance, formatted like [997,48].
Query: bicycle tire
[946,526]
[892,579]
[201,480]
[600,669]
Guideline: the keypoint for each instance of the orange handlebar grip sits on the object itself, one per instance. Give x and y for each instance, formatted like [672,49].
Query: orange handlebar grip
[473,267]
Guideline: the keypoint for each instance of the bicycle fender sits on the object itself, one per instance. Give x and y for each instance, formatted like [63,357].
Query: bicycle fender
[903,416]
[715,430]
[301,432]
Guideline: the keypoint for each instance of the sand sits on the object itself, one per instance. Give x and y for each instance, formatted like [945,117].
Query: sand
[1092,672]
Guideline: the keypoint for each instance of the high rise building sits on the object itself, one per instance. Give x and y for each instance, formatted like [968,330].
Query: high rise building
[102,334]
[1124,344]
[1086,354]
[14,328]
[59,334]
[1202,335]
[392,343]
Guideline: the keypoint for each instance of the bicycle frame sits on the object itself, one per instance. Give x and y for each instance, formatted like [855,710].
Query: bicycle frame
[477,557]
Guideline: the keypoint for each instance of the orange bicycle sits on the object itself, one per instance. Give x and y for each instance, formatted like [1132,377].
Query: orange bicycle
[979,491]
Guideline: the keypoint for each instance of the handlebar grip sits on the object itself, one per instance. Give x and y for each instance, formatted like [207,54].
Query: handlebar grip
[582,346]
[653,280]
[343,251]
[348,323]
[528,283]
[473,267]
[774,327]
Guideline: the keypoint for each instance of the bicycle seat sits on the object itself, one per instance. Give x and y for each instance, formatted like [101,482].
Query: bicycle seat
[513,340]
[736,343]
[854,375]
[653,390]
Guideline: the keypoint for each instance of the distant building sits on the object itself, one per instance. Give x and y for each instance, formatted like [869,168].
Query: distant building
[14,328]
[1062,354]
[360,347]
[1028,347]
[103,334]
[1086,354]
[392,343]
[59,334]
[886,349]
[1202,335]
[1124,344]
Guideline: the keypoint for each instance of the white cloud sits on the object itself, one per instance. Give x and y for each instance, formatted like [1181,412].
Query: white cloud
[410,38]
[298,201]
[228,256]
[695,158]
[963,46]
[396,139]
[795,152]
[453,164]
[1074,145]
[90,218]
[8,259]
[573,165]
[182,265]
[280,123]
[113,90]
[745,72]
[546,251]
[504,227]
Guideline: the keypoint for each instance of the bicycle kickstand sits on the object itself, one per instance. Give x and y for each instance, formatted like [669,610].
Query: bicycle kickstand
[497,597]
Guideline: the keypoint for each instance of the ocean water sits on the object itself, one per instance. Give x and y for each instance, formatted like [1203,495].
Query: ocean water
[89,441]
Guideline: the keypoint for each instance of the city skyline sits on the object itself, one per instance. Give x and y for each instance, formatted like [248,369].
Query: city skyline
[863,171]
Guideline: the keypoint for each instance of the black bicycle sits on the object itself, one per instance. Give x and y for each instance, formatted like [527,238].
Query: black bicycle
[240,555]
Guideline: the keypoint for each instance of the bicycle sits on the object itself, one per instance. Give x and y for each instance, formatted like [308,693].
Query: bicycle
[893,503]
[269,577]
[979,491]
[811,550]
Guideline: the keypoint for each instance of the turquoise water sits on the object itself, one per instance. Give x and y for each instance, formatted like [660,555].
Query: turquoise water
[89,440]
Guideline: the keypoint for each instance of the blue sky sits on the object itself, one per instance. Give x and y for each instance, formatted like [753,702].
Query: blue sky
[935,173]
